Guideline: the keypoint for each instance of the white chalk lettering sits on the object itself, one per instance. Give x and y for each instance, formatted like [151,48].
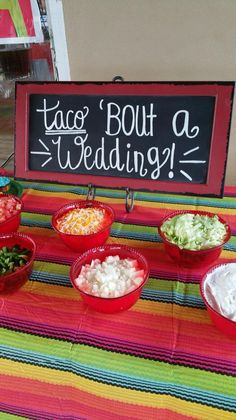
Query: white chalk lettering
[79,141]
[129,120]
[100,156]
[113,115]
[133,161]
[114,157]
[128,169]
[128,128]
[88,151]
[185,129]
[154,159]
[55,119]
[139,163]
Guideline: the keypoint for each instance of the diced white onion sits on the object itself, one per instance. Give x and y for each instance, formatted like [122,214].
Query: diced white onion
[111,278]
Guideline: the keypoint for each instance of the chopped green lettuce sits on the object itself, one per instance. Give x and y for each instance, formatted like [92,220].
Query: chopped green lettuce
[194,231]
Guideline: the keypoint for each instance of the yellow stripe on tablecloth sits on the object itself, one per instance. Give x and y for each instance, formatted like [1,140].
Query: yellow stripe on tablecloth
[60,194]
[167,310]
[150,204]
[155,245]
[114,240]
[143,306]
[174,207]
[133,242]
[74,196]
[227,254]
[111,240]
[50,290]
[112,392]
[37,230]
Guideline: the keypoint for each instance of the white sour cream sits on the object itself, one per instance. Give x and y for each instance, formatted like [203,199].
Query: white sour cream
[220,290]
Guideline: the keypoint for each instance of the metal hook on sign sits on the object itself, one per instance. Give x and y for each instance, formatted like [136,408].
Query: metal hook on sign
[91,192]
[129,200]
[118,79]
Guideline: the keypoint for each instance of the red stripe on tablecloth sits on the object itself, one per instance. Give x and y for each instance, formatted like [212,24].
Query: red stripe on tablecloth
[62,400]
[51,248]
[143,213]
[58,317]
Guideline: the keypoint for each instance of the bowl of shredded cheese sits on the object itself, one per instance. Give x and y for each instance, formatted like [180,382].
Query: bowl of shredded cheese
[110,278]
[83,224]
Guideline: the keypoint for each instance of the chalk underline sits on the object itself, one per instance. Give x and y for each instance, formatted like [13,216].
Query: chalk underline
[41,153]
[192,161]
[50,132]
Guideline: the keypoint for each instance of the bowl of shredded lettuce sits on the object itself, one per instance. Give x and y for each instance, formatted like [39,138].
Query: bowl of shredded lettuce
[194,237]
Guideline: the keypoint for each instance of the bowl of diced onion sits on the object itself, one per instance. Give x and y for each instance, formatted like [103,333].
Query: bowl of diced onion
[194,238]
[10,213]
[83,224]
[110,278]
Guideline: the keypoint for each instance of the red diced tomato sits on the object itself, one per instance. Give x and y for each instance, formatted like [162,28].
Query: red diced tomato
[9,206]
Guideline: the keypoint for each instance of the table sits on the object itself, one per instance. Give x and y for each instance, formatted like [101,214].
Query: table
[162,359]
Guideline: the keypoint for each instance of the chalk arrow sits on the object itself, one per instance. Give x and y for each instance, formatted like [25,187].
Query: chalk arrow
[47,153]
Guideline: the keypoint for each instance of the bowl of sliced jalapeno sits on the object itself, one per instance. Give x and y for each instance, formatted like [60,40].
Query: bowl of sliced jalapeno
[17,253]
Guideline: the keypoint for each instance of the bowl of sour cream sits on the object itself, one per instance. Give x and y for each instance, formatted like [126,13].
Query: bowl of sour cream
[218,291]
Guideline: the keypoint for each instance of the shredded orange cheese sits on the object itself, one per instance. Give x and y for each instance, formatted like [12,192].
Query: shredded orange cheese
[82,221]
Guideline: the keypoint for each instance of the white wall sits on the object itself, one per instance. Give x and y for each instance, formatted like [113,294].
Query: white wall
[158,40]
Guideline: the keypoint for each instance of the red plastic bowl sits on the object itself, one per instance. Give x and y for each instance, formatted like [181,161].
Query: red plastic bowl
[81,243]
[13,281]
[109,305]
[225,325]
[192,258]
[11,224]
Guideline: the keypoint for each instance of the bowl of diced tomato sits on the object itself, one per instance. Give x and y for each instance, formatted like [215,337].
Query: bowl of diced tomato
[84,224]
[10,213]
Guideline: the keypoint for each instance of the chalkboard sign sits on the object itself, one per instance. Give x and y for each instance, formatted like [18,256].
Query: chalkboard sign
[144,136]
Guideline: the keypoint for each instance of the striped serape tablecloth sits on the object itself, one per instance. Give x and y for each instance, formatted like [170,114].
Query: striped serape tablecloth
[161,359]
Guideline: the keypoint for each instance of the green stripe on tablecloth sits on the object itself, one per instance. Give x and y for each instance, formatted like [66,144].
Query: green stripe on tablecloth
[226,202]
[53,268]
[7,416]
[118,230]
[117,363]
[123,380]
[169,286]
[152,291]
[156,284]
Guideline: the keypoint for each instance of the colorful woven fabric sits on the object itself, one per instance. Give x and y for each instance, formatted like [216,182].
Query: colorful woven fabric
[161,359]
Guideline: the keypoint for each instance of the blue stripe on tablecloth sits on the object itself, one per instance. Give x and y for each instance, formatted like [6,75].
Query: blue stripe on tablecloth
[138,195]
[169,297]
[116,233]
[147,293]
[122,380]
